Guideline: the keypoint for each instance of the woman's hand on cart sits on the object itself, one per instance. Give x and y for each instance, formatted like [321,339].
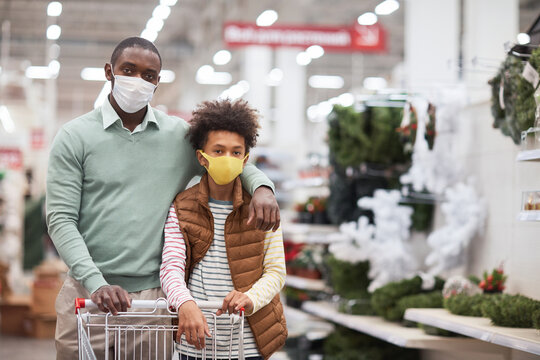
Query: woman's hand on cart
[111,298]
[192,323]
[234,302]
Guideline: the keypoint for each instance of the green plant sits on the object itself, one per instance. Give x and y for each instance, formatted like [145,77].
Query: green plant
[493,282]
[433,299]
[346,344]
[347,137]
[510,310]
[385,299]
[536,319]
[463,304]
[518,111]
[349,280]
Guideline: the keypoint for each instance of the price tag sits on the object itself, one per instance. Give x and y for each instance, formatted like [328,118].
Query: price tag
[530,74]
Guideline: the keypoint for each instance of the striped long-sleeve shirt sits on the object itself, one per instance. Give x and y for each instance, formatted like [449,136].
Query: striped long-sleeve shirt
[211,277]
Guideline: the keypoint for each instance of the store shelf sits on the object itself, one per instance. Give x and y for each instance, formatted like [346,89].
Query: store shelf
[531,215]
[300,323]
[480,328]
[305,284]
[528,155]
[312,233]
[393,332]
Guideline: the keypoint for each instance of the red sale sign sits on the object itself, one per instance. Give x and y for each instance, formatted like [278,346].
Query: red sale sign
[361,38]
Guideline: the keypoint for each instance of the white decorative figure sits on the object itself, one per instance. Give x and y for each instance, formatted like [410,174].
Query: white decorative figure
[383,244]
[465,213]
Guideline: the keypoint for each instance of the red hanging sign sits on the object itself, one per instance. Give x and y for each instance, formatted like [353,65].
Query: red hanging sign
[357,38]
[11,158]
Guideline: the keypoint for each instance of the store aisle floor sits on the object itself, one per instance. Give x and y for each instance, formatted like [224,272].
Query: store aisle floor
[24,348]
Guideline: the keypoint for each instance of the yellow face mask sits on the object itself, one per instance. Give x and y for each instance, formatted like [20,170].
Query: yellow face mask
[224,169]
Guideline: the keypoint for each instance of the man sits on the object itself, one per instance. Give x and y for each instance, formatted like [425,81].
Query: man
[112,175]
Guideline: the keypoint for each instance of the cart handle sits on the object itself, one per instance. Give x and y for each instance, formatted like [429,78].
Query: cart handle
[160,303]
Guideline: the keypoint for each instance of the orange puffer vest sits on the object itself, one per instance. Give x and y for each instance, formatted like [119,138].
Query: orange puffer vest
[245,254]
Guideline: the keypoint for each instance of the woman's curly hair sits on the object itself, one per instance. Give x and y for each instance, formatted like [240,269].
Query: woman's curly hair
[234,116]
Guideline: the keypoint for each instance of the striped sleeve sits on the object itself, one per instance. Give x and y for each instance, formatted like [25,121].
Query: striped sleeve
[273,277]
[173,263]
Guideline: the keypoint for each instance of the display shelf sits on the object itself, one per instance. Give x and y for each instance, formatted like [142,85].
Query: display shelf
[305,284]
[528,155]
[528,216]
[527,340]
[300,323]
[392,332]
[312,233]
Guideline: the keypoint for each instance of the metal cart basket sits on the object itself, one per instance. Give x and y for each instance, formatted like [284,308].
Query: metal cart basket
[148,330]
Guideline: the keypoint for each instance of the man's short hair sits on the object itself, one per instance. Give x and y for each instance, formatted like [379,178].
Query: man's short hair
[223,115]
[134,41]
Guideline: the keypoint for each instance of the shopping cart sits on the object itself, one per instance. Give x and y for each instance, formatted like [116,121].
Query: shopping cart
[149,334]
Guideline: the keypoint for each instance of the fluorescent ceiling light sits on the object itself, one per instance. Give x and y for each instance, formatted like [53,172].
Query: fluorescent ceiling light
[276,74]
[168,2]
[374,83]
[7,121]
[149,35]
[267,18]
[38,72]
[326,82]
[387,7]
[523,38]
[207,76]
[205,70]
[236,91]
[315,51]
[303,58]
[222,57]
[53,32]
[368,18]
[346,99]
[54,8]
[154,24]
[216,78]
[274,77]
[93,74]
[105,91]
[166,76]
[161,12]
[54,68]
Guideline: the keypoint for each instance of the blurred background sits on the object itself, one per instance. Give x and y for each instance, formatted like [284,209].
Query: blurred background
[424,110]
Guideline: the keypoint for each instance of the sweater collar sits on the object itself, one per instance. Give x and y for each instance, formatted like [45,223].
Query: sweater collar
[204,192]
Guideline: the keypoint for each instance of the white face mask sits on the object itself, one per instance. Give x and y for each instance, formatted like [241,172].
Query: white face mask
[132,93]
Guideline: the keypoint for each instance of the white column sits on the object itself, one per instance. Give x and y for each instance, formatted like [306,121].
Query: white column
[485,33]
[431,42]
[257,65]
[289,135]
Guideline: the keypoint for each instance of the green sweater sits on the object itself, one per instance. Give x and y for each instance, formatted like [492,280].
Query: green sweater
[109,192]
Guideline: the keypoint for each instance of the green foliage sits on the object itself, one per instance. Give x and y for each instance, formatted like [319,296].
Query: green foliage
[347,137]
[462,304]
[385,299]
[346,344]
[422,215]
[519,104]
[359,306]
[432,299]
[355,138]
[536,319]
[386,147]
[510,310]
[349,280]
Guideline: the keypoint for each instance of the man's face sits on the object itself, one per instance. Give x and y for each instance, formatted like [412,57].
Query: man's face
[136,61]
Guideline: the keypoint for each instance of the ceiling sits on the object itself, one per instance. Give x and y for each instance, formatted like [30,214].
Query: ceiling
[190,37]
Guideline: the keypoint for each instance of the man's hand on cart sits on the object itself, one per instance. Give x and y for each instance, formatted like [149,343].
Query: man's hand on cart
[192,323]
[111,298]
[234,301]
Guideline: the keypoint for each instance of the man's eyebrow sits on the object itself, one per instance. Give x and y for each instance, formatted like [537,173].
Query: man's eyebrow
[127,63]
